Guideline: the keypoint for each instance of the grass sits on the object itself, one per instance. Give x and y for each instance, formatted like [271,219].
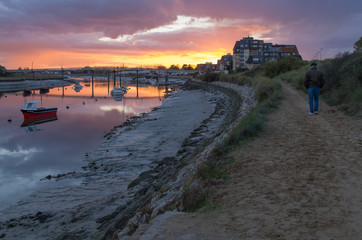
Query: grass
[343,88]
[268,94]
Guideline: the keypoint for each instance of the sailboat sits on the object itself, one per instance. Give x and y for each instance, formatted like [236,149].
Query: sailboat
[118,91]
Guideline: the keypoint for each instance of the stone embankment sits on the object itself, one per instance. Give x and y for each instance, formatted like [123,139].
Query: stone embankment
[161,189]
[301,179]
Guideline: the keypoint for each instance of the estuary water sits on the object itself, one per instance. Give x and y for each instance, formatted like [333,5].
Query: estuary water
[31,151]
[79,198]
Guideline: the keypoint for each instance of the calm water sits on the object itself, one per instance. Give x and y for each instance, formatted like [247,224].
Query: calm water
[29,153]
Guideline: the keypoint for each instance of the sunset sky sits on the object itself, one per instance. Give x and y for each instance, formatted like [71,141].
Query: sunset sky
[138,33]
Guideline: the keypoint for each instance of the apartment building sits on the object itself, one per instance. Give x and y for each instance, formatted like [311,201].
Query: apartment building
[225,63]
[249,52]
[274,52]
[243,49]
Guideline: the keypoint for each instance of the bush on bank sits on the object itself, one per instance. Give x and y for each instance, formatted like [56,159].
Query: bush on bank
[344,82]
[343,86]
[343,75]
[268,93]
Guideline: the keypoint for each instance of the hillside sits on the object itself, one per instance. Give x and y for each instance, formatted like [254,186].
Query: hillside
[300,180]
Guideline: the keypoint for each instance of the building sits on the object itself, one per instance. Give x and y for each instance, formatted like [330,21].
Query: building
[250,52]
[274,52]
[243,49]
[225,63]
[206,67]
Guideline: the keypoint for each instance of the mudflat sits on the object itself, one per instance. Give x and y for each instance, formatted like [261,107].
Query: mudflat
[300,180]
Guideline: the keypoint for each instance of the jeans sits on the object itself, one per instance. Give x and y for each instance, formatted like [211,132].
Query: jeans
[313,93]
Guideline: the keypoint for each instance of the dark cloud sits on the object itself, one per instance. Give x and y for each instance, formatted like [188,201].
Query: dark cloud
[112,17]
[77,25]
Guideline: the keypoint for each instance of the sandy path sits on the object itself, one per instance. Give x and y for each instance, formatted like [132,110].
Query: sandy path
[300,180]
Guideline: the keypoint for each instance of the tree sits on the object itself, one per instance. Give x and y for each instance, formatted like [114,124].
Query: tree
[187,67]
[282,65]
[174,67]
[161,67]
[358,45]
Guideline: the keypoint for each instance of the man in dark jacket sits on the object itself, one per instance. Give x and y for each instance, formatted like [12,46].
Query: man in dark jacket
[313,81]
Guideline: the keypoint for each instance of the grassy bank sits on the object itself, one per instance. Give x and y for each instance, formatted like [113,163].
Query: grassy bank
[268,93]
[343,88]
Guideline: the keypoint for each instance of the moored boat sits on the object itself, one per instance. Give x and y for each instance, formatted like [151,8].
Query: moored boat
[30,121]
[118,91]
[31,110]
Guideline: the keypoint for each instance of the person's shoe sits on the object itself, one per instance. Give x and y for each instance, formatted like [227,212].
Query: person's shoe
[311,113]
[316,112]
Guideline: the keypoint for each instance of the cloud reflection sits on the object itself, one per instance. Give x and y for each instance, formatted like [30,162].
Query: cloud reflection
[19,152]
[121,109]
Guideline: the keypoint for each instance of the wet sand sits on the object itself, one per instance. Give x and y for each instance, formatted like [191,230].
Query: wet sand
[135,162]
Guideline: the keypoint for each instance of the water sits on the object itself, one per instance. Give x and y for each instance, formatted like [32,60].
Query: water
[29,153]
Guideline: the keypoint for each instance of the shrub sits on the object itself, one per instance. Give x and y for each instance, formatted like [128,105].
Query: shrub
[344,81]
[282,65]
[295,77]
[210,77]
[267,89]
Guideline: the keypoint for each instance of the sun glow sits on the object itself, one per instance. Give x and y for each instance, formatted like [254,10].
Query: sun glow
[187,40]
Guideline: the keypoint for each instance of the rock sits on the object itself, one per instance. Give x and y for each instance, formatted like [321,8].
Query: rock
[41,217]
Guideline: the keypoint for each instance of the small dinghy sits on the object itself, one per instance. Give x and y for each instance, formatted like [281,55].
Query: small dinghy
[31,110]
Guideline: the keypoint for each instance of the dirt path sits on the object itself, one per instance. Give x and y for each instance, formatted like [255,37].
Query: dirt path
[300,180]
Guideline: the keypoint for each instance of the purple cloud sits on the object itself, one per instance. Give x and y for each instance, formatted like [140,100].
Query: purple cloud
[78,26]
[111,17]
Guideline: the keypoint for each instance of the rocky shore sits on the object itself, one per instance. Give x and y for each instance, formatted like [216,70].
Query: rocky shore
[127,182]
[160,190]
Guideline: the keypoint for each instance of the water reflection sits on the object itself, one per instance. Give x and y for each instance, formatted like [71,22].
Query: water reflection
[30,124]
[58,144]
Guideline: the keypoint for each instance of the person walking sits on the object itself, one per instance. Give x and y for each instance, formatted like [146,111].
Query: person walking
[313,81]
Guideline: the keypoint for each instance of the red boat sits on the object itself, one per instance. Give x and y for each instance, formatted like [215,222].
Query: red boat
[30,121]
[31,110]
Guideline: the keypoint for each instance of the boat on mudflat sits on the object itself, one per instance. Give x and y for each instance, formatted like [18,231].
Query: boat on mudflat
[31,110]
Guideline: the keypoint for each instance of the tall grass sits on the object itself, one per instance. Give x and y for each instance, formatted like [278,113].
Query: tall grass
[344,82]
[343,85]
[268,93]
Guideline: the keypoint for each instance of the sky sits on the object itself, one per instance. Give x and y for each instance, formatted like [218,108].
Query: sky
[146,33]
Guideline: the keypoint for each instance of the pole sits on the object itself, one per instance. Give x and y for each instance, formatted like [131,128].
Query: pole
[32,70]
[114,78]
[137,82]
[108,80]
[92,83]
